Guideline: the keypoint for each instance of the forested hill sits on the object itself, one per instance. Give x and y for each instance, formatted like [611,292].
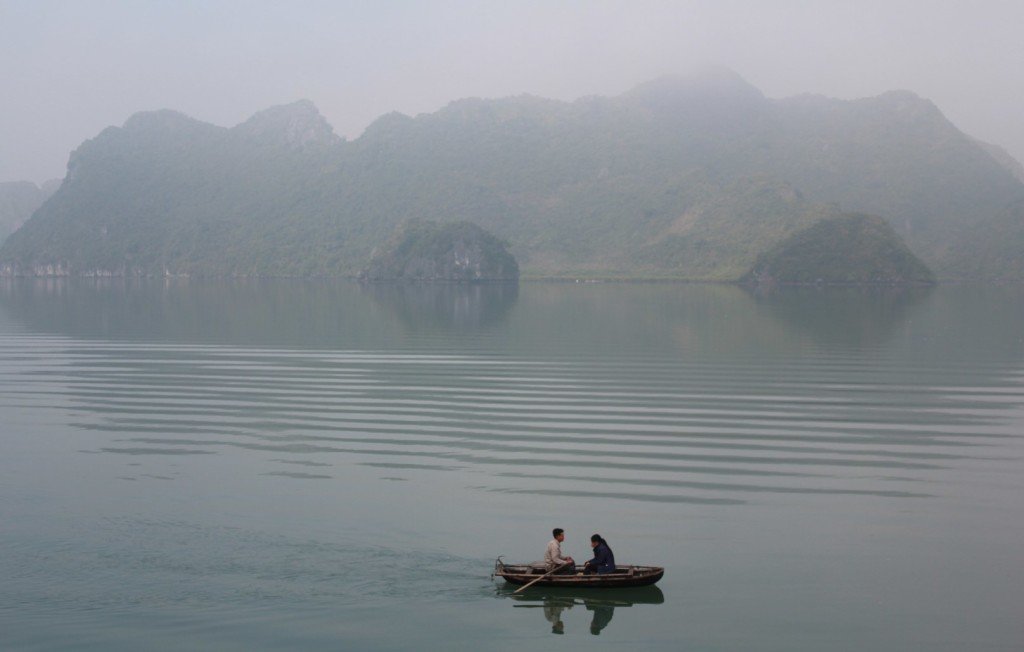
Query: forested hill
[691,177]
[847,249]
[420,250]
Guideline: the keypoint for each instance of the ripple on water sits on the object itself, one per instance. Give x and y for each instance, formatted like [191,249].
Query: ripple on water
[661,431]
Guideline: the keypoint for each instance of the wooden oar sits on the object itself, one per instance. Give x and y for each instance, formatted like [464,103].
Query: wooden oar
[532,582]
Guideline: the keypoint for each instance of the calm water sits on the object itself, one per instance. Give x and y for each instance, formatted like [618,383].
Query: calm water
[281,465]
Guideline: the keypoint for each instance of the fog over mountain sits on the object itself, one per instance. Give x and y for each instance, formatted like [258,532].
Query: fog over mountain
[70,69]
[690,177]
[18,200]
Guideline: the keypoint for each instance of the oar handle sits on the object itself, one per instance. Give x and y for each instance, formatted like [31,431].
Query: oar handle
[532,582]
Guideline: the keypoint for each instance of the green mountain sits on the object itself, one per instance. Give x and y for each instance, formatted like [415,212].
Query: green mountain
[993,248]
[848,249]
[420,250]
[169,194]
[18,200]
[691,178]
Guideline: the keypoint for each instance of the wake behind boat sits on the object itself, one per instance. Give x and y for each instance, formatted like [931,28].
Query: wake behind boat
[621,577]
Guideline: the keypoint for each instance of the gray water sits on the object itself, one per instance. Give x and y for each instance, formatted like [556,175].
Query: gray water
[311,465]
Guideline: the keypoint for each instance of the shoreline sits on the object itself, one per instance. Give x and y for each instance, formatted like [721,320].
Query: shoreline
[527,279]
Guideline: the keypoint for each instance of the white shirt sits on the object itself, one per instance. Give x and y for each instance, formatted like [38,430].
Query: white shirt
[553,555]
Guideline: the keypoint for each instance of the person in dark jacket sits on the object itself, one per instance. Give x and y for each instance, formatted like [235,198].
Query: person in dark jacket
[603,561]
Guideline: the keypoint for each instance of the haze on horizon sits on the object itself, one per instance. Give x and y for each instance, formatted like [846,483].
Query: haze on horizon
[70,69]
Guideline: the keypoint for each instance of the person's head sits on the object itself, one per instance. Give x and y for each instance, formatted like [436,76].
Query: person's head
[595,539]
[559,534]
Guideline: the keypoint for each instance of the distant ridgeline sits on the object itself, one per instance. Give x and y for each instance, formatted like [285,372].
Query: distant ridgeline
[18,200]
[688,178]
[428,251]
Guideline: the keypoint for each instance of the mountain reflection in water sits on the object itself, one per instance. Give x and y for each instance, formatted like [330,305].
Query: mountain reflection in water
[599,603]
[445,307]
[277,312]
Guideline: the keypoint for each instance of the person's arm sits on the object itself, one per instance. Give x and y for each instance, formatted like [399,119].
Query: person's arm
[561,561]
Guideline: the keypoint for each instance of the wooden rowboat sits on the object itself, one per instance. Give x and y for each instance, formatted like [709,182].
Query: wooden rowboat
[622,577]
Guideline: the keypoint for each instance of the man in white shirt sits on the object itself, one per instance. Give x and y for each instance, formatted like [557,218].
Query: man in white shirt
[553,554]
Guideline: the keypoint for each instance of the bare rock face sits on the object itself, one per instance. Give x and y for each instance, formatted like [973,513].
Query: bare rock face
[419,250]
[48,270]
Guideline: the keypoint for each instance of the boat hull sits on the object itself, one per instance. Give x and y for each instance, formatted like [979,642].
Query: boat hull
[623,577]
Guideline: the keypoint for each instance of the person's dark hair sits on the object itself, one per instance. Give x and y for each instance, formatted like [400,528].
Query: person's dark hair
[556,532]
[598,538]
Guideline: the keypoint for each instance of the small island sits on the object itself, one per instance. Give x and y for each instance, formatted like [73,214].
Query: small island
[421,250]
[851,249]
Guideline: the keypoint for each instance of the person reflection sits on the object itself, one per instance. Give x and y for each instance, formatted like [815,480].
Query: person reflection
[600,604]
[602,616]
[553,608]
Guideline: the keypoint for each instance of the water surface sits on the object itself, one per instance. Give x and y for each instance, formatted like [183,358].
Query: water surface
[280,465]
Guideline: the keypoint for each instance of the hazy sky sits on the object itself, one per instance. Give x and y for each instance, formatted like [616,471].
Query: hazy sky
[69,69]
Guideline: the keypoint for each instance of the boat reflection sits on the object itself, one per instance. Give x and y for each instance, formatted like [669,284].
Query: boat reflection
[601,604]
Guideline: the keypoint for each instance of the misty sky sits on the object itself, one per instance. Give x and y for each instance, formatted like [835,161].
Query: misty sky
[69,69]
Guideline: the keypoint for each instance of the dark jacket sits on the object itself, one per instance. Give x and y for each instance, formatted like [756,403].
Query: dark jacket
[604,560]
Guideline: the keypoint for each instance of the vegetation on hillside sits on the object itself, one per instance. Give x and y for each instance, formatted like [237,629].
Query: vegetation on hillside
[420,250]
[1000,238]
[846,249]
[688,178]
